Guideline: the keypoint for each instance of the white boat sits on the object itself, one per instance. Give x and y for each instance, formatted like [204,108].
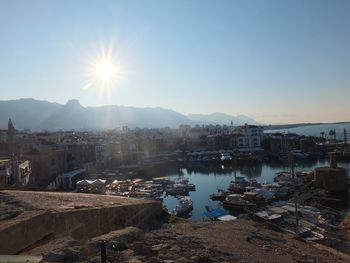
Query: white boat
[185,206]
[268,216]
[225,157]
[299,154]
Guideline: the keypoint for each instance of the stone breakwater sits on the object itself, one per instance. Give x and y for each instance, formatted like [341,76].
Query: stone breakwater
[46,215]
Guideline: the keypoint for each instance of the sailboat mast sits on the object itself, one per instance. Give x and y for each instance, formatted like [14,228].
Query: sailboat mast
[291,164]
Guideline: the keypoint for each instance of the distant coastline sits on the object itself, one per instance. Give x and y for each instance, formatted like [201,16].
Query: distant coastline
[296,125]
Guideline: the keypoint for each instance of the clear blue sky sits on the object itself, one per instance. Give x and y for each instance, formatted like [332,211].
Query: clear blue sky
[276,61]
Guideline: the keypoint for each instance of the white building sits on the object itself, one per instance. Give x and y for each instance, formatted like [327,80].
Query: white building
[248,138]
[16,172]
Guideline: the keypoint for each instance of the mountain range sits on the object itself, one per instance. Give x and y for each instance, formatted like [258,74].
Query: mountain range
[43,115]
[221,118]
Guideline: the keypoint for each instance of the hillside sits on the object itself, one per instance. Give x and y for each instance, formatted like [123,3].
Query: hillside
[43,115]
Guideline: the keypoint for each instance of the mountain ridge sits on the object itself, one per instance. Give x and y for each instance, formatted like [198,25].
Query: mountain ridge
[222,118]
[28,113]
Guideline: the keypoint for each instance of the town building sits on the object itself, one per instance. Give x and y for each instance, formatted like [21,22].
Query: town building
[15,172]
[248,138]
[5,172]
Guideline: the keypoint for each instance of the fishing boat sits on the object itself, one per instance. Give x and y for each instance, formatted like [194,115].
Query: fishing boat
[268,216]
[238,186]
[259,196]
[190,187]
[185,206]
[177,189]
[220,195]
[235,201]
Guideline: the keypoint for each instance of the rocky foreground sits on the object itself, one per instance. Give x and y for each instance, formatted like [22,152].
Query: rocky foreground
[235,241]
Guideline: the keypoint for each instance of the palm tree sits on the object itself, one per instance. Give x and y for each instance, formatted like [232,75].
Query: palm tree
[322,134]
[333,133]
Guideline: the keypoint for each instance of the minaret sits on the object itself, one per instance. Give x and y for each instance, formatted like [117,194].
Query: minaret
[10,136]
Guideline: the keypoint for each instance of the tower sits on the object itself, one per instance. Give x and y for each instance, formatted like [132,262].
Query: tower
[10,136]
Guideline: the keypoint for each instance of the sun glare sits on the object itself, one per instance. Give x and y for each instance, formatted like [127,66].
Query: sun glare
[106,71]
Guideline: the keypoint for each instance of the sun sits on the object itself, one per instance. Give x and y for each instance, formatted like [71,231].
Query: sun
[106,71]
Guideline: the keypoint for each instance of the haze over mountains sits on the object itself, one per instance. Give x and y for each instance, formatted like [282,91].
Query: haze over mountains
[42,115]
[221,118]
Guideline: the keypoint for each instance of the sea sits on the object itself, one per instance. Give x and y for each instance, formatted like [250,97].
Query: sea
[315,130]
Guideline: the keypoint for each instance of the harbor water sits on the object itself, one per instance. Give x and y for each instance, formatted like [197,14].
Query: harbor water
[210,178]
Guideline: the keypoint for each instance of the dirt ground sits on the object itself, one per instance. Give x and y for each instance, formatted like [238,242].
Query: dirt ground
[58,201]
[235,241]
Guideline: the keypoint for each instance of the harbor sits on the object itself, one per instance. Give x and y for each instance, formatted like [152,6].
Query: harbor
[208,181]
[199,182]
[307,200]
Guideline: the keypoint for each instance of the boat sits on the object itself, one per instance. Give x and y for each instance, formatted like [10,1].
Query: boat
[256,197]
[225,157]
[220,195]
[235,201]
[262,196]
[238,186]
[185,206]
[177,189]
[219,214]
[184,183]
[268,216]
[191,187]
[299,154]
[311,236]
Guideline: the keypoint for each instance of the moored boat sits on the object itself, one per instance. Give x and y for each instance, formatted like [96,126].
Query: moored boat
[185,206]
[220,195]
[235,201]
[177,189]
[268,216]
[224,157]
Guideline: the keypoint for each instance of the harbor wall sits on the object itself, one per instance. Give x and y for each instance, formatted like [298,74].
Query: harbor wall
[331,179]
[81,224]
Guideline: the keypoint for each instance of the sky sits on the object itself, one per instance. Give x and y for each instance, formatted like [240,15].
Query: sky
[280,61]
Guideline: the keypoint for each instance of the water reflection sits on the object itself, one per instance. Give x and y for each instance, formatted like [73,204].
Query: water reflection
[208,178]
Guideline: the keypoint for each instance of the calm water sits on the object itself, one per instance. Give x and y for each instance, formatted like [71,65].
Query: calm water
[315,130]
[208,179]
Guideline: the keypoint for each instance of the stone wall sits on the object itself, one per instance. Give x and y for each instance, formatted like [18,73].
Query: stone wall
[331,179]
[81,224]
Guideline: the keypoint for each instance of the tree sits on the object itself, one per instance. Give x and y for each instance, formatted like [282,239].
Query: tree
[333,133]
